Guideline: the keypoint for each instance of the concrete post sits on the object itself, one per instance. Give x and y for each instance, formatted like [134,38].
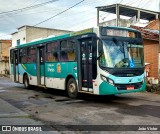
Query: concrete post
[138,16]
[97,16]
[118,16]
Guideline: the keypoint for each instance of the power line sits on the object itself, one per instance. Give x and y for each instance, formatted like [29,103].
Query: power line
[59,13]
[51,17]
[48,10]
[29,7]
[88,3]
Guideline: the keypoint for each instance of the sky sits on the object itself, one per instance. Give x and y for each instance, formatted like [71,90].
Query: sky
[81,16]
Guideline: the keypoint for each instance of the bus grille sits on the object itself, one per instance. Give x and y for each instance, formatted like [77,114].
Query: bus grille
[124,86]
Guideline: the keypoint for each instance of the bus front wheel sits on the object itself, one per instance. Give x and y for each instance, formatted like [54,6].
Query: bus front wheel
[72,89]
[26,82]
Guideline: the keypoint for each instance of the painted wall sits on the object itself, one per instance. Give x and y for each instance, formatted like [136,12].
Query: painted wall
[28,33]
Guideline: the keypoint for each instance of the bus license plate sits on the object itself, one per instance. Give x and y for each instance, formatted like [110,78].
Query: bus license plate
[130,87]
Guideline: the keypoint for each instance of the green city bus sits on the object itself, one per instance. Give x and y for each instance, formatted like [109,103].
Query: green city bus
[101,61]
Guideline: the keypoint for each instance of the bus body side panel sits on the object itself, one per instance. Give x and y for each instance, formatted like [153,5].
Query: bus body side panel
[30,70]
[57,72]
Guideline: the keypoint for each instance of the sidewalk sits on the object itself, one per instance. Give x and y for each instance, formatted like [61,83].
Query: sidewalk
[10,115]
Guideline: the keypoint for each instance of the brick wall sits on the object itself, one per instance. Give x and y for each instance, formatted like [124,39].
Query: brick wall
[153,25]
[151,56]
[4,56]
[5,45]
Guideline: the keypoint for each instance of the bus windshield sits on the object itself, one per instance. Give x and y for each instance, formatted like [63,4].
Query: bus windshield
[121,54]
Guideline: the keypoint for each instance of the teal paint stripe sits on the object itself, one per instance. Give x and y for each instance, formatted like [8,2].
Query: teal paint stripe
[61,69]
[53,70]
[44,40]
[28,68]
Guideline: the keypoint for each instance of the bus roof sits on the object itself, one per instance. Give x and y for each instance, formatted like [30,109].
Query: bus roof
[90,30]
[72,34]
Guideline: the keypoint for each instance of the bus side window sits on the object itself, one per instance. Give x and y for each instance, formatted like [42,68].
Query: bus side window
[31,54]
[71,51]
[52,52]
[23,55]
[52,56]
[41,54]
[63,54]
[67,50]
[55,56]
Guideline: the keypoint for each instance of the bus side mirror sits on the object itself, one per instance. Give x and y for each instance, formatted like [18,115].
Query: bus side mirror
[100,48]
[98,57]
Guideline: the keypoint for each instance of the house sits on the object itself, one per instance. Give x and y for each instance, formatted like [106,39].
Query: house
[150,35]
[4,56]
[27,33]
[153,25]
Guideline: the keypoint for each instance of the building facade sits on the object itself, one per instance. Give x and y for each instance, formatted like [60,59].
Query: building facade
[150,36]
[4,56]
[30,33]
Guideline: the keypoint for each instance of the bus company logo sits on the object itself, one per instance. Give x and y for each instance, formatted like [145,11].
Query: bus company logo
[6,128]
[58,68]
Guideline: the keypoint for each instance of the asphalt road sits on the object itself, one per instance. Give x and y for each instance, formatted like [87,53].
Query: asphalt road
[50,107]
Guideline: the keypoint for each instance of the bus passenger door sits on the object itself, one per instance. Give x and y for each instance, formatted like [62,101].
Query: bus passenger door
[86,64]
[41,65]
[15,66]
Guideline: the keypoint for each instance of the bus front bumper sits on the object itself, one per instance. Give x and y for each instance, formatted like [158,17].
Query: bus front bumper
[107,89]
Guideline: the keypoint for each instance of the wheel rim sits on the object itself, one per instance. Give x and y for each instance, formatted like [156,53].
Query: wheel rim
[72,88]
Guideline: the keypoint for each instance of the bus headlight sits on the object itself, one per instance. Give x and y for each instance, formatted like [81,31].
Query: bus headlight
[108,80]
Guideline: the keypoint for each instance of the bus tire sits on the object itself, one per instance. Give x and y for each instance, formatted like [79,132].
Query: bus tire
[26,82]
[72,89]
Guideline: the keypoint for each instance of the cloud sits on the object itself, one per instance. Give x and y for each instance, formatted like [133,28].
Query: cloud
[79,17]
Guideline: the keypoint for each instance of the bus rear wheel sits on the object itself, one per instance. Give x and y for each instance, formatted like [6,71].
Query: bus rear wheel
[72,89]
[26,82]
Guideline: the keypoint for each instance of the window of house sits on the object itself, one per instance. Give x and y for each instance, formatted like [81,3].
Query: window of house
[18,42]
